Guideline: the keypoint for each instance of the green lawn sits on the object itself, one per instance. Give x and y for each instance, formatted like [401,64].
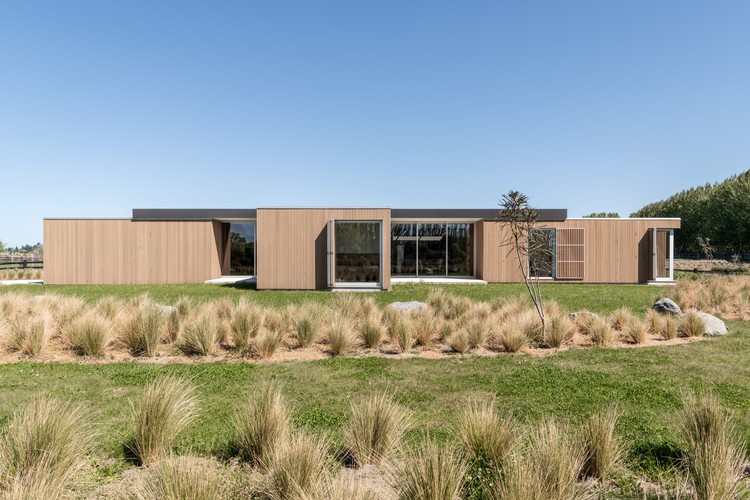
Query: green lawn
[646,384]
[598,298]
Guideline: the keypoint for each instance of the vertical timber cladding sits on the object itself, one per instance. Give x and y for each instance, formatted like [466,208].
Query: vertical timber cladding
[292,245]
[121,251]
[615,250]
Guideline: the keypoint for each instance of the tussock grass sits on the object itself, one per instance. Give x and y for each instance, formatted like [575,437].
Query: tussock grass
[402,333]
[425,324]
[89,335]
[459,341]
[600,331]
[298,466]
[486,435]
[692,325]
[199,335]
[168,407]
[142,330]
[621,319]
[109,307]
[637,331]
[261,424]
[64,310]
[478,330]
[376,429]
[668,327]
[268,342]
[307,328]
[245,323]
[560,329]
[531,326]
[42,448]
[512,336]
[28,334]
[603,450]
[555,461]
[712,446]
[342,489]
[432,473]
[371,331]
[348,305]
[449,306]
[340,334]
[277,322]
[179,477]
[584,320]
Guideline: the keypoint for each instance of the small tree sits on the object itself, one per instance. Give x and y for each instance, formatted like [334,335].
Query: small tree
[706,247]
[530,245]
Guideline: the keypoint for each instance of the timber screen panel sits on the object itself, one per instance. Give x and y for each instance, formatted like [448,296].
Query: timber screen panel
[570,253]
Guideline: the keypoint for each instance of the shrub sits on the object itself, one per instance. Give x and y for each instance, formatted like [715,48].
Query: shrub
[600,331]
[42,447]
[478,331]
[459,341]
[267,342]
[486,435]
[184,477]
[371,331]
[603,451]
[377,426]
[261,425]
[637,331]
[621,319]
[168,407]
[89,334]
[298,465]
[692,325]
[668,328]
[511,336]
[340,335]
[555,461]
[432,473]
[560,329]
[199,336]
[27,334]
[141,332]
[712,447]
[245,323]
[402,334]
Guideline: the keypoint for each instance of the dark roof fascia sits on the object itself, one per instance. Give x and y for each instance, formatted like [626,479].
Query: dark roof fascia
[193,213]
[545,214]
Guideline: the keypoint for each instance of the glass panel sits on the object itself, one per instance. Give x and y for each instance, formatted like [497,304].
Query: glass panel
[542,254]
[242,248]
[357,252]
[403,249]
[460,249]
[662,253]
[431,250]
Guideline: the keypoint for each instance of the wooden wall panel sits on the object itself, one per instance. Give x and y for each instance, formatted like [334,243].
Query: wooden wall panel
[121,251]
[292,245]
[616,250]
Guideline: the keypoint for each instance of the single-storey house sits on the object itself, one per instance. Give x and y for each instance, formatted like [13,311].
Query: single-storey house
[324,248]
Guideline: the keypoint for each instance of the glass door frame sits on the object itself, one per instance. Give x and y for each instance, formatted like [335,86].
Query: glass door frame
[333,282]
[669,257]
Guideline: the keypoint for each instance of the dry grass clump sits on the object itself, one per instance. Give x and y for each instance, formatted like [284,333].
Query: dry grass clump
[584,320]
[637,331]
[307,326]
[555,461]
[531,326]
[621,319]
[179,477]
[668,327]
[299,465]
[142,330]
[27,333]
[459,341]
[245,322]
[377,426]
[261,424]
[340,335]
[512,336]
[402,333]
[560,329]
[169,405]
[719,295]
[432,473]
[109,308]
[42,447]
[713,448]
[371,330]
[342,489]
[478,330]
[485,434]
[199,335]
[64,310]
[269,339]
[600,331]
[89,335]
[603,451]
[278,322]
[426,324]
[692,325]
[12,304]
[448,305]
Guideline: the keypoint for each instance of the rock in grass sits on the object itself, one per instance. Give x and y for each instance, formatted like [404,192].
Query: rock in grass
[714,326]
[413,305]
[667,306]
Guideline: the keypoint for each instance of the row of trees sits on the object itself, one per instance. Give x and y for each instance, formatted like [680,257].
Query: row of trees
[714,217]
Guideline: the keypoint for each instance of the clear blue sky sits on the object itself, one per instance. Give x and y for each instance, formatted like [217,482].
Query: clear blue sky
[590,106]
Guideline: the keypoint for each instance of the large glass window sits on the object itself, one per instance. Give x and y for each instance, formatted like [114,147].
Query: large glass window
[357,251]
[432,249]
[542,250]
[242,248]
[403,249]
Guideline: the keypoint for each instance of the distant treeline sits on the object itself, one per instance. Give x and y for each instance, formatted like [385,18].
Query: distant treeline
[714,217]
